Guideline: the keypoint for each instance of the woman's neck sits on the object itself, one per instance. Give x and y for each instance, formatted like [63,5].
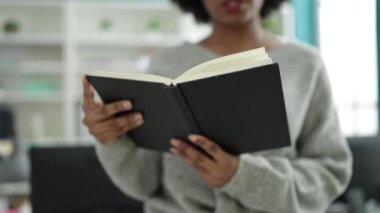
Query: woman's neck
[226,40]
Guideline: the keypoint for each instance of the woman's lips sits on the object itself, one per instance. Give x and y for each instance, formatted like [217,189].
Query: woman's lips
[233,6]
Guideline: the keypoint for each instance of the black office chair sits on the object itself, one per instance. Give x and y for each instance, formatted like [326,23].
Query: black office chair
[71,179]
[366,165]
[365,182]
[14,165]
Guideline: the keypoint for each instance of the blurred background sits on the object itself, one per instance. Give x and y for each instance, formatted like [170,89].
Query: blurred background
[46,46]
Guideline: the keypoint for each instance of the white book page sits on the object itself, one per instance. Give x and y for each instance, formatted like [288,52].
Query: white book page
[229,60]
[226,70]
[219,66]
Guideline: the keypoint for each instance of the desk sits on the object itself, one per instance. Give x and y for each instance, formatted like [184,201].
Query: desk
[14,189]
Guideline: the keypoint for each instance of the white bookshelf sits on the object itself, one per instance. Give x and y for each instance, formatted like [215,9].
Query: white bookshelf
[11,98]
[58,41]
[129,40]
[31,39]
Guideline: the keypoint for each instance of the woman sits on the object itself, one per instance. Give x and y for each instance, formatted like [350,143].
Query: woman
[305,177]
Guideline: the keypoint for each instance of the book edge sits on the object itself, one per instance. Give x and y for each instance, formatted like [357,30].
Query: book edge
[224,59]
[224,72]
[132,76]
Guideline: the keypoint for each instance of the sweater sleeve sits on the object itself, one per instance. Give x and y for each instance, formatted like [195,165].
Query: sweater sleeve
[307,183]
[134,171]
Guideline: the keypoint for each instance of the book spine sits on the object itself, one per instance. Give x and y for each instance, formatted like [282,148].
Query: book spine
[183,109]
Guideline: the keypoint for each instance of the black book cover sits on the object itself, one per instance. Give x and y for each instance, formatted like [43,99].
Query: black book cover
[242,111]
[163,119]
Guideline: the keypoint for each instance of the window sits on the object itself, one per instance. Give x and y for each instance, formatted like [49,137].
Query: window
[347,39]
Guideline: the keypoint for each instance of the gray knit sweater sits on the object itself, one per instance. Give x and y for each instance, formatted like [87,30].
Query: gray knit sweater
[305,177]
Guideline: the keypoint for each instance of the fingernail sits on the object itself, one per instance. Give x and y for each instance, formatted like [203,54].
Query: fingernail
[137,117]
[127,105]
[174,142]
[193,138]
[139,122]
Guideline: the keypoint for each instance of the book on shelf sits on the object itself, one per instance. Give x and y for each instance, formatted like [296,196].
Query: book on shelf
[235,100]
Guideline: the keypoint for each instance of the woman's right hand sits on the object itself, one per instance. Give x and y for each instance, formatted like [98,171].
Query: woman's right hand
[100,118]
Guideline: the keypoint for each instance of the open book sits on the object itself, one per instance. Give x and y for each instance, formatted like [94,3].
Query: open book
[235,100]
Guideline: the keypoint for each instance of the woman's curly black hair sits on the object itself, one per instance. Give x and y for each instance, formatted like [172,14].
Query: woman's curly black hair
[197,8]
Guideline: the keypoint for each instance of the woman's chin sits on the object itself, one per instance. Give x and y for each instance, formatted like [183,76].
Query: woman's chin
[236,21]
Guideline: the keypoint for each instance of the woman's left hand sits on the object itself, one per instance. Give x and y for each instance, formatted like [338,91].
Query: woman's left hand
[217,167]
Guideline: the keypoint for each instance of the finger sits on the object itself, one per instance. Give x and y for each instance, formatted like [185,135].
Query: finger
[123,123]
[193,155]
[200,168]
[111,135]
[109,110]
[88,94]
[207,145]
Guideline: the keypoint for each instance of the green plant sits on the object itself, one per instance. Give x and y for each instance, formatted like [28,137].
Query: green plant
[105,24]
[273,24]
[154,25]
[11,26]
